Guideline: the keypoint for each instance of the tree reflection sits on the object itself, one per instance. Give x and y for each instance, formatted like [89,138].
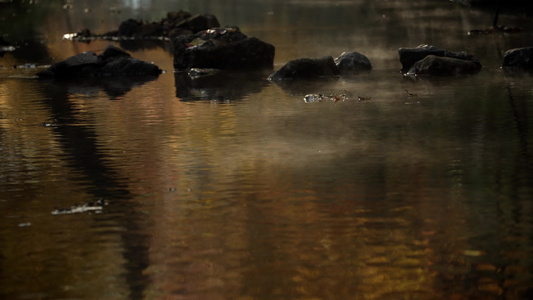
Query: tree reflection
[81,144]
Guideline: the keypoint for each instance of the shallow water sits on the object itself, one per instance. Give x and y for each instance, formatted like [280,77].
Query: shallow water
[233,188]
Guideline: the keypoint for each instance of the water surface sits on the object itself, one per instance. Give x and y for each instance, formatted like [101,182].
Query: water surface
[233,188]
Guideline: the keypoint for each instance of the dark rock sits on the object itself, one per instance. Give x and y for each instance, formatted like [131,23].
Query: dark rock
[128,66]
[84,33]
[177,15]
[352,63]
[222,48]
[130,27]
[519,58]
[306,68]
[443,66]
[408,56]
[152,30]
[113,61]
[84,63]
[176,23]
[112,51]
[198,23]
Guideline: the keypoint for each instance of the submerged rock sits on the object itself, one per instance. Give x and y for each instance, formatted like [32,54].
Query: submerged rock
[519,58]
[193,24]
[222,48]
[113,61]
[443,66]
[352,63]
[306,68]
[409,56]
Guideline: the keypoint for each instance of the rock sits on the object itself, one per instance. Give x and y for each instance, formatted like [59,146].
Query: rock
[352,63]
[443,66]
[180,22]
[84,63]
[135,28]
[306,68]
[177,15]
[198,23]
[222,48]
[519,58]
[113,52]
[113,61]
[130,27]
[123,65]
[408,56]
[175,23]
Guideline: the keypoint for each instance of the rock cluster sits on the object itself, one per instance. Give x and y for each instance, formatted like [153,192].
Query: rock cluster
[307,68]
[430,60]
[198,42]
[174,24]
[113,61]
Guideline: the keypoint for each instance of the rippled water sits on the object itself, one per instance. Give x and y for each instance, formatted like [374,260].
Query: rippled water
[232,187]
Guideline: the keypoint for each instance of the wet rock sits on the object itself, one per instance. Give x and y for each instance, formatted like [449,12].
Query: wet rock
[519,58]
[113,61]
[174,16]
[84,63]
[409,56]
[443,66]
[306,68]
[222,48]
[130,27]
[195,24]
[352,63]
[176,23]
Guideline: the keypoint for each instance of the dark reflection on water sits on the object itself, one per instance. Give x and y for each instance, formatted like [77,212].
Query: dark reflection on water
[80,144]
[218,86]
[114,87]
[263,196]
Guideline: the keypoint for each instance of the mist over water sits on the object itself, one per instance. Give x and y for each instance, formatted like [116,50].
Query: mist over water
[232,187]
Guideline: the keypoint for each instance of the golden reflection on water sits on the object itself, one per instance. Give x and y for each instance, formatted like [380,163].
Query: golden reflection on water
[261,196]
